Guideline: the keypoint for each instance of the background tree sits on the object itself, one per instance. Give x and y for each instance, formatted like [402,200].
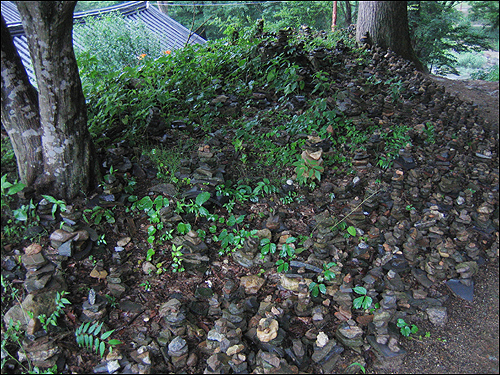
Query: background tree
[387,25]
[487,12]
[439,31]
[52,144]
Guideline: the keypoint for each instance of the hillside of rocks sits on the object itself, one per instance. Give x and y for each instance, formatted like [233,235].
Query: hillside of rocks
[411,217]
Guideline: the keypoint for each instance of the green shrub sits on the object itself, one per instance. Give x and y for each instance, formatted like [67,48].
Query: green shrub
[108,43]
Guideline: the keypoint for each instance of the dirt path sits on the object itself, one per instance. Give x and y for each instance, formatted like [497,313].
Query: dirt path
[482,93]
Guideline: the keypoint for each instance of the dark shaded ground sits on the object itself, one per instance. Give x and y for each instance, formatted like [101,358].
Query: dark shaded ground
[471,334]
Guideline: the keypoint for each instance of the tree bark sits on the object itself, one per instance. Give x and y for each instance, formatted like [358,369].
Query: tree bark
[387,25]
[348,14]
[69,161]
[334,15]
[20,112]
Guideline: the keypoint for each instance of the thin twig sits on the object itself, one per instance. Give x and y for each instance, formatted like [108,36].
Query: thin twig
[354,209]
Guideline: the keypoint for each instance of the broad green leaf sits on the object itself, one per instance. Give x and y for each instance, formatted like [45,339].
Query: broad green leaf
[114,342]
[357,302]
[102,348]
[359,290]
[352,231]
[105,335]
[322,288]
[202,198]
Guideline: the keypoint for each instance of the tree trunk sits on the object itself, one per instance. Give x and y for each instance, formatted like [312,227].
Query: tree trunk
[334,15]
[387,25]
[348,14]
[69,161]
[20,113]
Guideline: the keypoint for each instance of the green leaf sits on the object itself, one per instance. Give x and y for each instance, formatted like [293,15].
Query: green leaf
[98,329]
[357,302]
[105,335]
[322,288]
[231,221]
[405,331]
[360,290]
[202,198]
[352,231]
[315,292]
[96,345]
[367,301]
[114,342]
[102,348]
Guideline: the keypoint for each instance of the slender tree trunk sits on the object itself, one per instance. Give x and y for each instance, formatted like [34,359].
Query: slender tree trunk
[68,157]
[20,112]
[334,15]
[348,14]
[387,25]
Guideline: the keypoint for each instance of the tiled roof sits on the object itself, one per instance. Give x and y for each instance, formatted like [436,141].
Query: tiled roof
[172,35]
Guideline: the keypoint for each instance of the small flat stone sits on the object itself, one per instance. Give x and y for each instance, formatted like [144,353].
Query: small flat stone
[461,290]
[437,315]
[34,261]
[252,283]
[122,242]
[130,306]
[66,249]
[34,248]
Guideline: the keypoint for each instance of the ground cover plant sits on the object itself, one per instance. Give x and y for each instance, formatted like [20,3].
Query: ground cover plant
[280,115]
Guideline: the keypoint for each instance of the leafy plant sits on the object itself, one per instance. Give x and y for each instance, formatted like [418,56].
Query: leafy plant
[146,285]
[307,171]
[87,336]
[264,187]
[267,247]
[98,213]
[429,131]
[327,274]
[61,303]
[8,190]
[177,258]
[197,206]
[405,328]
[361,302]
[183,228]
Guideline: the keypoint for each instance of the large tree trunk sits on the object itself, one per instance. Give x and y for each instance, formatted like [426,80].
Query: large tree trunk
[69,161]
[20,113]
[387,25]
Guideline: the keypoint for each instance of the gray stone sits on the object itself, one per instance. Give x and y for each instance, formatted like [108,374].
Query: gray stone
[465,292]
[66,249]
[34,283]
[167,189]
[34,261]
[437,315]
[130,306]
[177,347]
